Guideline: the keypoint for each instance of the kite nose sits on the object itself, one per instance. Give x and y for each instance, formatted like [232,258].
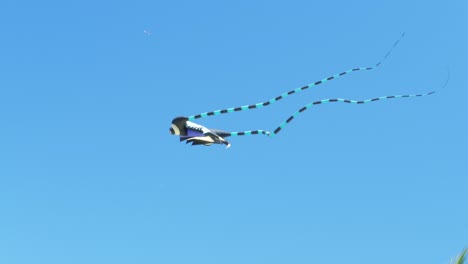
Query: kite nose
[171,130]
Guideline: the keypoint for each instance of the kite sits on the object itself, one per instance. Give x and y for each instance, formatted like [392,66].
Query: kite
[197,134]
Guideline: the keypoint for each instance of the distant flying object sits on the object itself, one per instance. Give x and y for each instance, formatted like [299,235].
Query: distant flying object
[146,32]
[188,131]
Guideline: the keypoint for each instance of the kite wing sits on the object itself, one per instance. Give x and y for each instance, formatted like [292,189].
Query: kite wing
[198,134]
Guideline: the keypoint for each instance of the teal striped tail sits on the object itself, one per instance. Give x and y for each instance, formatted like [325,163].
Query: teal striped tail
[250,132]
[335,100]
[297,90]
[324,101]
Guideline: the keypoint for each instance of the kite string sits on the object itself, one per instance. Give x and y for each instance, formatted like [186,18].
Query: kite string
[297,90]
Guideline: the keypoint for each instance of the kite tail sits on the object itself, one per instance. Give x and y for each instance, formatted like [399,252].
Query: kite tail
[285,123]
[297,90]
[250,132]
[335,100]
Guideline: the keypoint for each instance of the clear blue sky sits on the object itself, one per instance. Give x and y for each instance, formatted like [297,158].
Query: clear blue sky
[89,173]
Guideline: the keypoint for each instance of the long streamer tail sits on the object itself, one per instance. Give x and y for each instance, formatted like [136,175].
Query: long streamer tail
[340,100]
[324,101]
[297,90]
[250,132]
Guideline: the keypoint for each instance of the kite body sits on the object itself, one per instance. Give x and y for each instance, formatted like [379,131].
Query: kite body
[188,131]
[196,134]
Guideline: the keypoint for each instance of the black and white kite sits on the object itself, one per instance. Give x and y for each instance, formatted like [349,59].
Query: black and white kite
[188,131]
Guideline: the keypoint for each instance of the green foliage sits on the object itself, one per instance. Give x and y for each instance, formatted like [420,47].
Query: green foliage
[461,258]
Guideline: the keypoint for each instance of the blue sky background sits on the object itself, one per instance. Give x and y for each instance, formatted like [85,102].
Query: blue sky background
[90,174]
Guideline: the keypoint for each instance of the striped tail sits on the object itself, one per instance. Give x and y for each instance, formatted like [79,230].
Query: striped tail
[250,132]
[285,123]
[297,90]
[335,100]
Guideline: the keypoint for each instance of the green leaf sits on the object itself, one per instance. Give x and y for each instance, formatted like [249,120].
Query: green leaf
[461,258]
